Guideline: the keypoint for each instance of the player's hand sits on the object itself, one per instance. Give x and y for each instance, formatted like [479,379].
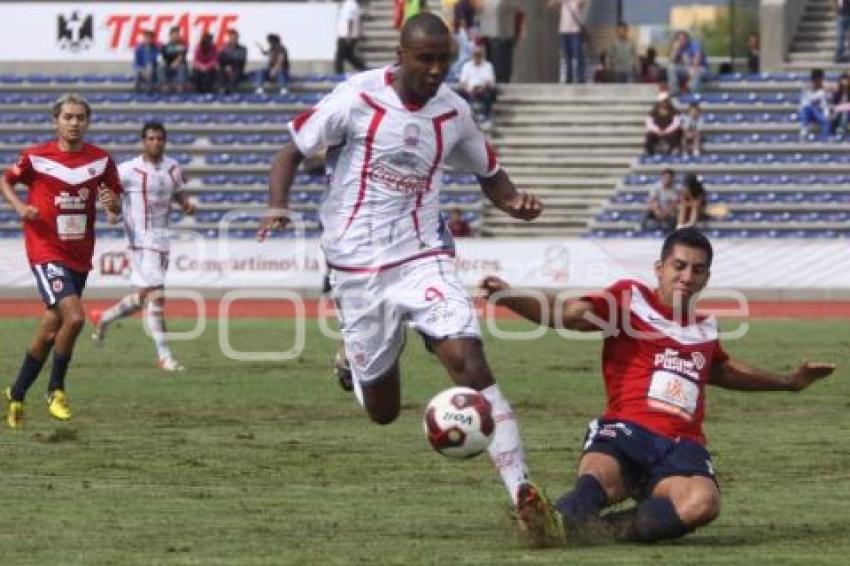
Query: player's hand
[28,212]
[108,199]
[808,373]
[188,206]
[272,222]
[112,218]
[525,206]
[492,285]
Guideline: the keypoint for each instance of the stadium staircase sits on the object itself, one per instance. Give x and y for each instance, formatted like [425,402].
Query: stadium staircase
[380,38]
[570,145]
[814,42]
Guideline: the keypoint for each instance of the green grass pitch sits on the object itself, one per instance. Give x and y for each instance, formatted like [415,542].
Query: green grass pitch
[271,463]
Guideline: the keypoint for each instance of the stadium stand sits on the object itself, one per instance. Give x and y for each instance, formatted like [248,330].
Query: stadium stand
[224,143]
[773,182]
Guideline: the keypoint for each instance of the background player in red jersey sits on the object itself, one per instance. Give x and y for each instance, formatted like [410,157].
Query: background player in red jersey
[64,177]
[658,356]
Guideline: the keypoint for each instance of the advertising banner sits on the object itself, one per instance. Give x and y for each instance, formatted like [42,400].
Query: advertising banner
[108,31]
[545,264]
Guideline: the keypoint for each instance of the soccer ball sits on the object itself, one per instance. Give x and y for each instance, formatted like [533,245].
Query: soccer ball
[459,423]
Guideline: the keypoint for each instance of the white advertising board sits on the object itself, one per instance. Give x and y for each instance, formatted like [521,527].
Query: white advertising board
[545,264]
[108,31]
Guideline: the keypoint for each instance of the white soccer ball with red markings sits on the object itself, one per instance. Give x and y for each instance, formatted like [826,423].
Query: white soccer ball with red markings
[459,423]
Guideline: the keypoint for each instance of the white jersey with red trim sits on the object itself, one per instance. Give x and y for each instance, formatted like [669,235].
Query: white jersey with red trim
[149,189]
[383,205]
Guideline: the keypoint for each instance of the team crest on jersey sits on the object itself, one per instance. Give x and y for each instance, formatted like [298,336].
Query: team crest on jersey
[75,33]
[411,134]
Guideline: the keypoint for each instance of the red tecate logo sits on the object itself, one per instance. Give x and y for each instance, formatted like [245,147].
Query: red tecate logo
[125,30]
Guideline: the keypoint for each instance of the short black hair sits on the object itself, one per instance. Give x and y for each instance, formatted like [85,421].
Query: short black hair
[153,125]
[817,75]
[668,171]
[689,237]
[424,23]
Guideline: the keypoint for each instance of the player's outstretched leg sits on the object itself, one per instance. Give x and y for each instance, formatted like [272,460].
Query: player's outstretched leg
[155,322]
[127,306]
[72,319]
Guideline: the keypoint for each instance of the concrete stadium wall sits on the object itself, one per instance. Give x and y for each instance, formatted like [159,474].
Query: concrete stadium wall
[778,21]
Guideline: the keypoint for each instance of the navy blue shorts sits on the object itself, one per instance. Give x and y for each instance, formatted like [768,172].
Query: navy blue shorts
[55,282]
[646,458]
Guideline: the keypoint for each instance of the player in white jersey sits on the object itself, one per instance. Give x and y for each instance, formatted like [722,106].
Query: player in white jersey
[389,252]
[152,180]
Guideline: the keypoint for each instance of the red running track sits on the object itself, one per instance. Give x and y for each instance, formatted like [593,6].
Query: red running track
[177,308]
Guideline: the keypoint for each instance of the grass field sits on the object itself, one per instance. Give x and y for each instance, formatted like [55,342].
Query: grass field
[263,463]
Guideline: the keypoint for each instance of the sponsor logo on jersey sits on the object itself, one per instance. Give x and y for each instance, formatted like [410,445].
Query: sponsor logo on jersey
[670,360]
[75,33]
[67,201]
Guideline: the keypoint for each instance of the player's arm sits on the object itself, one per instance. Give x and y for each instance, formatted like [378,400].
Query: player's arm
[24,210]
[571,314]
[741,376]
[281,177]
[504,195]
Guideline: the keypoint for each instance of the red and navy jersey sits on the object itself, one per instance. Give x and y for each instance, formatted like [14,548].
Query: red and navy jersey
[63,187]
[656,366]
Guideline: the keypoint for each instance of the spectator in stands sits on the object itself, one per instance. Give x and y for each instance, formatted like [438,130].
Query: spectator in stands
[688,63]
[814,106]
[458,226]
[175,68]
[277,66]
[502,24]
[231,62]
[753,54]
[478,84]
[622,57]
[663,204]
[463,26]
[842,23]
[691,202]
[347,36]
[841,104]
[692,124]
[205,65]
[145,62]
[650,71]
[572,32]
[663,128]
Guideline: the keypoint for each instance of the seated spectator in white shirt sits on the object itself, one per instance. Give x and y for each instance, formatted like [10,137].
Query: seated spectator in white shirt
[478,82]
[815,106]
[692,124]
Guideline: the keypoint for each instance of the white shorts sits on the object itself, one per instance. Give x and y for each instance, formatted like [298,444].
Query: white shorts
[373,308]
[148,268]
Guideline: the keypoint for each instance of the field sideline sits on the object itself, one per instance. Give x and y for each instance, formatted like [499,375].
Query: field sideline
[271,463]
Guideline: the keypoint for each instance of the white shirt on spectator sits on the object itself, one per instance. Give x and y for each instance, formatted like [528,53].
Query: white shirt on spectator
[570,16]
[472,75]
[349,11]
